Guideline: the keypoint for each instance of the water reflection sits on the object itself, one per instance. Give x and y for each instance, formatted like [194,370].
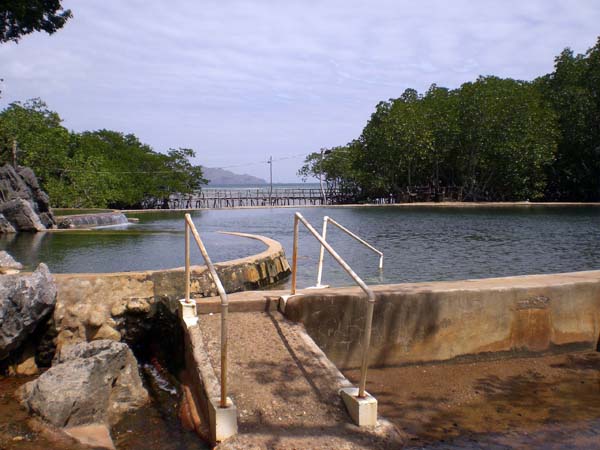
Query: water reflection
[419,243]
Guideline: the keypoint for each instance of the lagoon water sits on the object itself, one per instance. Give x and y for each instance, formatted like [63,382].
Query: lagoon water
[420,243]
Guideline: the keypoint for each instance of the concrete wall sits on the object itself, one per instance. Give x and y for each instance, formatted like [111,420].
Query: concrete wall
[441,321]
[115,305]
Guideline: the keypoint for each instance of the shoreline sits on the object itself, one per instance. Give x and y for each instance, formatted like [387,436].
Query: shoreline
[386,205]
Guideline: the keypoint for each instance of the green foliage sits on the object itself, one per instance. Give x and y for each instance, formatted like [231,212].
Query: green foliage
[573,90]
[21,17]
[495,139]
[94,169]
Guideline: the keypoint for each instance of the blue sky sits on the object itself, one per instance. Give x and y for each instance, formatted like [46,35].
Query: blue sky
[239,81]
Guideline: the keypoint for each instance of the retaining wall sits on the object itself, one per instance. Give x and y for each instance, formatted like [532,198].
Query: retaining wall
[115,305]
[465,319]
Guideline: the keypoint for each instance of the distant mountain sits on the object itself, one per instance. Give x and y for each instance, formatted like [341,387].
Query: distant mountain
[221,176]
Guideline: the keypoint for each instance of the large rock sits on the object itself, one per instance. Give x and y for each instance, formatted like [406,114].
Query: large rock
[21,215]
[8,263]
[89,383]
[20,185]
[25,301]
[6,226]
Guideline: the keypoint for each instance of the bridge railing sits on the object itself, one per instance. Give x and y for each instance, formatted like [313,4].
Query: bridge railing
[191,228]
[298,218]
[327,220]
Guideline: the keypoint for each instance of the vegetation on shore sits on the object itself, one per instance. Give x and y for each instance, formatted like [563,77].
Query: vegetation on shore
[93,169]
[496,139]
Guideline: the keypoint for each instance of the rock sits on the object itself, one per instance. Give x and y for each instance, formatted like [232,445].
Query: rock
[96,436]
[65,223]
[26,364]
[89,383]
[21,215]
[25,301]
[96,318]
[5,225]
[18,185]
[138,306]
[107,332]
[8,264]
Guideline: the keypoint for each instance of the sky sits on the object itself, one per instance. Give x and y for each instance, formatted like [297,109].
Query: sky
[239,81]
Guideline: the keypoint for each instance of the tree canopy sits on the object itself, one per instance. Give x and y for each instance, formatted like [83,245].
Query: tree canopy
[492,138]
[21,17]
[100,168]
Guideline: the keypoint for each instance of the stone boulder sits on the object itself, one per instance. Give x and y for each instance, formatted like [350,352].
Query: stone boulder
[89,383]
[6,226]
[25,301]
[18,186]
[21,215]
[8,264]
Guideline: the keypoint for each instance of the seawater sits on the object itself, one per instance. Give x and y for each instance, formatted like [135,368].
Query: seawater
[419,243]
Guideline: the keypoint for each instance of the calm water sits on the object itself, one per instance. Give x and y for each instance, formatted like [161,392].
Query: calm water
[419,243]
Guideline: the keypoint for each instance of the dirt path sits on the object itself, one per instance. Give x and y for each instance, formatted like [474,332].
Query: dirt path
[284,397]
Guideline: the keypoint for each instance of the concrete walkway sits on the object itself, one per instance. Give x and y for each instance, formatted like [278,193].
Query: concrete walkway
[284,387]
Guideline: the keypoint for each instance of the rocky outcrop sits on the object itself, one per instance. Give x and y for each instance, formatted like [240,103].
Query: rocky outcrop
[89,383]
[23,204]
[7,264]
[6,226]
[25,301]
[21,215]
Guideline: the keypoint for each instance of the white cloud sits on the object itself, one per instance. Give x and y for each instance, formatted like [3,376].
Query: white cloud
[239,80]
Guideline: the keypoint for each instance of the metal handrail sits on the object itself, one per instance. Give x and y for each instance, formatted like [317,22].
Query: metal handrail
[370,294]
[327,219]
[189,226]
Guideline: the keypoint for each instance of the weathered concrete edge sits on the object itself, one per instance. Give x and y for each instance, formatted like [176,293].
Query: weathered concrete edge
[329,379]
[95,305]
[222,422]
[441,321]
[273,250]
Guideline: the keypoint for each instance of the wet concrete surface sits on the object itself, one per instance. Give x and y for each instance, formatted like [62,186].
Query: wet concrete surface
[545,402]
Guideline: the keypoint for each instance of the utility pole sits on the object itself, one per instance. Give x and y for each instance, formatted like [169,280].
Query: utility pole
[321,177]
[270,162]
[14,153]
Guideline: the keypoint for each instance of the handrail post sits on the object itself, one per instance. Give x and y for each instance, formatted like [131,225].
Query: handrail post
[322,252]
[370,294]
[295,255]
[224,342]
[366,344]
[224,308]
[187,263]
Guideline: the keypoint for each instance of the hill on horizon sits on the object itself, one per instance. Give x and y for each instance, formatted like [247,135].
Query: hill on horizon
[216,176]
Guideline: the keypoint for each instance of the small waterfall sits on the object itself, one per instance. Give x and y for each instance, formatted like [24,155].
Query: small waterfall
[93,220]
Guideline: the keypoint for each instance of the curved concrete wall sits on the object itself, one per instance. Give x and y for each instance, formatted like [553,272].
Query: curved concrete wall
[440,321]
[101,305]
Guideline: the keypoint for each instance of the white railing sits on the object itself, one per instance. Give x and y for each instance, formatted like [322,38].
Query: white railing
[328,219]
[189,226]
[298,218]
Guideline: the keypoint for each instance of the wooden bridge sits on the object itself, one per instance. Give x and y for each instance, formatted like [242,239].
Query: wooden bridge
[213,198]
[235,198]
